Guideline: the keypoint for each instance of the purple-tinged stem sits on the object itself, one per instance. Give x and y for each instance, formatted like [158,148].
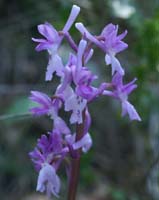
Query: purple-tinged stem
[75,165]
[69,39]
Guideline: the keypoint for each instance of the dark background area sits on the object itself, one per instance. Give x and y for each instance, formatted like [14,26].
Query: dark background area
[124,161]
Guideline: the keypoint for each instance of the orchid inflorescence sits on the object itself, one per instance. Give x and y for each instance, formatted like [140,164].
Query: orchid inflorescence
[73,94]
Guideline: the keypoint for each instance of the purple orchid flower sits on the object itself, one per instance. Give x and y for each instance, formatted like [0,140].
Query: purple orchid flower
[121,92]
[109,42]
[49,149]
[53,38]
[46,157]
[52,42]
[50,107]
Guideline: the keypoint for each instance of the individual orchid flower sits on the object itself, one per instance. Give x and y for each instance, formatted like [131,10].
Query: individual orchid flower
[109,42]
[48,181]
[52,42]
[46,157]
[52,37]
[48,150]
[121,92]
[50,107]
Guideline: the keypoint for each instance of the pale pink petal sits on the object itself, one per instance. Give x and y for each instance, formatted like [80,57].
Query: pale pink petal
[48,180]
[129,108]
[85,143]
[55,65]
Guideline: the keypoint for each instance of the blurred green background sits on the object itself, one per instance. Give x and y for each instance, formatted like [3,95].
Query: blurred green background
[124,161]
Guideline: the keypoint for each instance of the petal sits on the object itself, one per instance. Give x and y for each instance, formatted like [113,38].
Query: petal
[55,65]
[77,104]
[85,143]
[108,29]
[117,80]
[89,55]
[119,46]
[89,92]
[122,35]
[83,76]
[73,15]
[128,88]
[67,93]
[76,117]
[60,125]
[39,111]
[43,46]
[39,40]
[81,49]
[70,138]
[87,121]
[48,31]
[129,108]
[66,80]
[116,67]
[48,180]
[84,91]
[88,144]
[72,60]
[107,59]
[55,141]
[70,103]
[40,97]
